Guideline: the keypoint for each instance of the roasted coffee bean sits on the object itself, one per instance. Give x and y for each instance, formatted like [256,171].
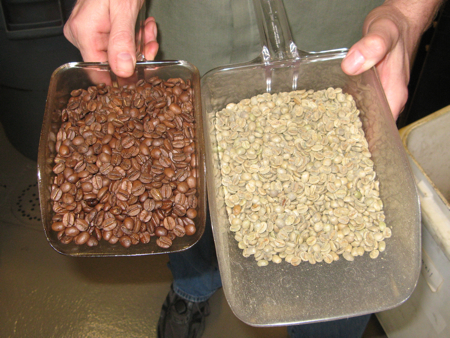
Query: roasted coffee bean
[137,226]
[166,191]
[109,224]
[156,194]
[92,241]
[134,238]
[134,210]
[59,167]
[180,199]
[97,233]
[137,188]
[128,222]
[106,235]
[113,240]
[56,194]
[166,205]
[82,238]
[81,224]
[179,230]
[164,242]
[91,199]
[125,241]
[58,226]
[190,229]
[169,223]
[192,201]
[145,216]
[125,166]
[133,175]
[145,237]
[71,231]
[159,213]
[68,219]
[191,182]
[66,239]
[160,231]
[191,213]
[183,187]
[179,210]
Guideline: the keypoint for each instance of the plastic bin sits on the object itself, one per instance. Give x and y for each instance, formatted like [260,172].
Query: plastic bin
[426,313]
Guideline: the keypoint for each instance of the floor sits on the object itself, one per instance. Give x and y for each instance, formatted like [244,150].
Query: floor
[46,294]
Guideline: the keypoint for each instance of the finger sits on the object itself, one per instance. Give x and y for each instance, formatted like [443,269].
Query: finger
[94,48]
[121,47]
[397,99]
[150,50]
[395,84]
[381,37]
[151,45]
[151,30]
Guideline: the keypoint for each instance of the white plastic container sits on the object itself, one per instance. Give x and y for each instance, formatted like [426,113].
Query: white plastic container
[426,313]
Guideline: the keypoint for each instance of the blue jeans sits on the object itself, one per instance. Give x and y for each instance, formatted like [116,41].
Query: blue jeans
[196,277]
[195,271]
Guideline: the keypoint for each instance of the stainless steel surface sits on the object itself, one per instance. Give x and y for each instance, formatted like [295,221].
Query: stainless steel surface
[282,294]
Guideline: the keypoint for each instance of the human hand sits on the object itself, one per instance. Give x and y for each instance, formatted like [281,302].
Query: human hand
[386,46]
[104,30]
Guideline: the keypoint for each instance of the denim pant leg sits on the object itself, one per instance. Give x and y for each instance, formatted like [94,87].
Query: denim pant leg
[195,271]
[344,328]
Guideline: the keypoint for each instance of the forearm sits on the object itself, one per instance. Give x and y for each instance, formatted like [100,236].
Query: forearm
[418,15]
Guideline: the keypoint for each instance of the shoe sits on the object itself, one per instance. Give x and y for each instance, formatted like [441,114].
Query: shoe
[181,318]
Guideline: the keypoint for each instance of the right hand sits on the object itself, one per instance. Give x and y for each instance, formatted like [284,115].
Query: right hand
[104,30]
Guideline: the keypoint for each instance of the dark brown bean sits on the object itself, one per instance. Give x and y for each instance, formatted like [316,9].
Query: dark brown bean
[190,229]
[164,242]
[145,237]
[160,231]
[82,238]
[125,164]
[92,241]
[191,213]
[125,241]
[169,223]
[58,226]
[71,231]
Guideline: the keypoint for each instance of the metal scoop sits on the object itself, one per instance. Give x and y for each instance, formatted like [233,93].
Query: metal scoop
[281,294]
[73,76]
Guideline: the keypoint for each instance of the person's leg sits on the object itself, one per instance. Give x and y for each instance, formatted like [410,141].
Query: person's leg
[195,271]
[196,277]
[344,328]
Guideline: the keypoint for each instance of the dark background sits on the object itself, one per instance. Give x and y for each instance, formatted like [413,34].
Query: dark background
[429,87]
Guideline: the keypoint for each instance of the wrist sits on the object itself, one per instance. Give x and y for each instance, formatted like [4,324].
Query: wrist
[418,15]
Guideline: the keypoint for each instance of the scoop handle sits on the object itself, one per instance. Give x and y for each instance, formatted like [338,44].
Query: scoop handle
[274,31]
[140,32]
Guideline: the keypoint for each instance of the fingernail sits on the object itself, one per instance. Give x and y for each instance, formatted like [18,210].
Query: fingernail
[125,63]
[354,61]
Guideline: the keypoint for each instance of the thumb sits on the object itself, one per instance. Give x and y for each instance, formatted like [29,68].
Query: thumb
[121,46]
[382,35]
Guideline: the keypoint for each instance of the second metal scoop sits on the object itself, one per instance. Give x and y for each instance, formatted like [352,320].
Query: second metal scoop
[281,294]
